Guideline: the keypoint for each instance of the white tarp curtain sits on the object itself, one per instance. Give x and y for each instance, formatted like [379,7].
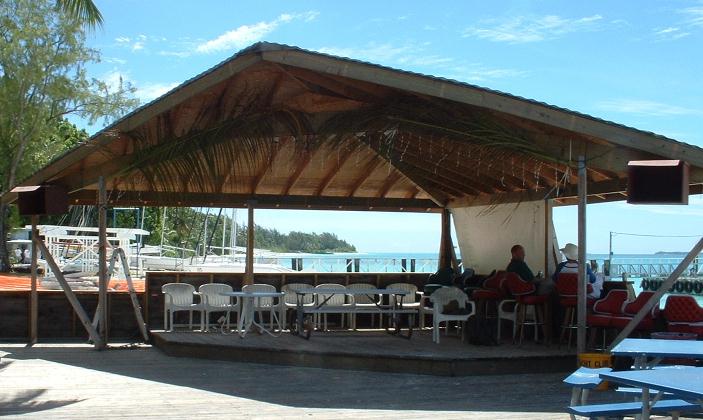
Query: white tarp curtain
[486,234]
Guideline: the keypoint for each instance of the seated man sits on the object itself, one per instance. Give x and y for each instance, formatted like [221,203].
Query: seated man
[518,266]
[571,265]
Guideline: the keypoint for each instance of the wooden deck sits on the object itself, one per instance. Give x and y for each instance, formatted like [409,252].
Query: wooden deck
[77,382]
[371,350]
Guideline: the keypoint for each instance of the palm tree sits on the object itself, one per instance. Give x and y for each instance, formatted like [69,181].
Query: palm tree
[84,10]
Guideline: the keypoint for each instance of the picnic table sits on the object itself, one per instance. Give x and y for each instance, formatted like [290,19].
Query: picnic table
[683,382]
[301,325]
[249,304]
[640,349]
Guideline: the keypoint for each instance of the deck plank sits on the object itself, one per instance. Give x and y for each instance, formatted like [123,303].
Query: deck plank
[77,382]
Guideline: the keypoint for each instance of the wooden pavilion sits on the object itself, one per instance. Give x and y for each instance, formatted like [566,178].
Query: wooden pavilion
[276,126]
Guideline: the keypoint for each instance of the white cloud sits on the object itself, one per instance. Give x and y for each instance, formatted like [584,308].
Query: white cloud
[114,78]
[416,57]
[247,34]
[524,29]
[379,53]
[694,15]
[646,108]
[145,92]
[670,33]
[149,91]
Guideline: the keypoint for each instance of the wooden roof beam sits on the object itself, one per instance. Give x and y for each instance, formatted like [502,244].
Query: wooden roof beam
[435,195]
[299,170]
[374,163]
[266,201]
[475,185]
[594,189]
[391,180]
[336,168]
[266,167]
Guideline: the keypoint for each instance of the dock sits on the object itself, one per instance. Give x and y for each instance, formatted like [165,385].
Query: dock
[372,350]
[142,382]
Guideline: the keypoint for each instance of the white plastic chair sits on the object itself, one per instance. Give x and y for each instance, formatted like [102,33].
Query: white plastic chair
[364,301]
[442,297]
[265,303]
[213,301]
[409,300]
[180,297]
[504,313]
[290,300]
[335,300]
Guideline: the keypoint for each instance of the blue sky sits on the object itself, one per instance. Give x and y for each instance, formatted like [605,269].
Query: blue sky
[636,63]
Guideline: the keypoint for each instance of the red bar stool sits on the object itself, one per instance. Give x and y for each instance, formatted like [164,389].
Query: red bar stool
[605,311]
[524,296]
[493,291]
[567,288]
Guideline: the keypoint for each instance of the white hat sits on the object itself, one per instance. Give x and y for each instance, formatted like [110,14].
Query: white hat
[570,251]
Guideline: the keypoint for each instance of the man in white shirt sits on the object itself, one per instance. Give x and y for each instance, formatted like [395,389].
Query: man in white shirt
[571,265]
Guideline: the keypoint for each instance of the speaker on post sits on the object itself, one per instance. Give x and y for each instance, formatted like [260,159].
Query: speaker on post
[40,200]
[657,182]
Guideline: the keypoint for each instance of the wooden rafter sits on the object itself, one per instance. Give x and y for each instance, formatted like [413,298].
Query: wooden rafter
[373,164]
[266,167]
[335,169]
[391,180]
[299,170]
[435,194]
[263,201]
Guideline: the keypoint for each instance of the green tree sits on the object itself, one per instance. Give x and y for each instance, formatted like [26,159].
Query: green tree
[43,79]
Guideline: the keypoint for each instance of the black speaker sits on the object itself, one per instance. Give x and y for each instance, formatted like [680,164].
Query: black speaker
[657,182]
[42,200]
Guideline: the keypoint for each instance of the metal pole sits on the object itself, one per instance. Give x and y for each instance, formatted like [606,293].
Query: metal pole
[610,247]
[581,301]
[102,262]
[249,272]
[34,297]
[205,236]
[163,228]
[234,232]
[224,233]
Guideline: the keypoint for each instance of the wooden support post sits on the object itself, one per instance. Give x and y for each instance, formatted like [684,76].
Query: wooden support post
[445,242]
[654,299]
[548,242]
[34,297]
[72,299]
[102,263]
[249,270]
[581,300]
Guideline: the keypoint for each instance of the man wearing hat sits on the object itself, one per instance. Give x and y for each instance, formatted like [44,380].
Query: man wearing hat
[571,265]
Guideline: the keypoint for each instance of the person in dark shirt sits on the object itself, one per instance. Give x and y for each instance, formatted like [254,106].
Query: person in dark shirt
[518,265]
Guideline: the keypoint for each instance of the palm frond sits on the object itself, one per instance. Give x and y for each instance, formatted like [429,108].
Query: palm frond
[83,10]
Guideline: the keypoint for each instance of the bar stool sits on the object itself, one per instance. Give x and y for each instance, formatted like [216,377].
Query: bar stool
[567,288]
[524,297]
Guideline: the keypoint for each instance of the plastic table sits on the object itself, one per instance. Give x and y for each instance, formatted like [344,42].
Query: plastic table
[302,327]
[247,319]
[684,382]
[640,349]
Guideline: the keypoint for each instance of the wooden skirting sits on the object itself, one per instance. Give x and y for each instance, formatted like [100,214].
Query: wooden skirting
[371,351]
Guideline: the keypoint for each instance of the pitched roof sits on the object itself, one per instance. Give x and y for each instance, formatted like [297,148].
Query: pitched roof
[302,129]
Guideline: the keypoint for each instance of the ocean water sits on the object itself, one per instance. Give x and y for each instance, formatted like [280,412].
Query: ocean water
[383,262]
[427,261]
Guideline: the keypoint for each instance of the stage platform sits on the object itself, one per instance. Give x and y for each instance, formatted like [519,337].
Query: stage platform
[371,350]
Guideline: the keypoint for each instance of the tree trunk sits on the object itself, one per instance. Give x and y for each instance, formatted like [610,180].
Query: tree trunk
[4,256]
